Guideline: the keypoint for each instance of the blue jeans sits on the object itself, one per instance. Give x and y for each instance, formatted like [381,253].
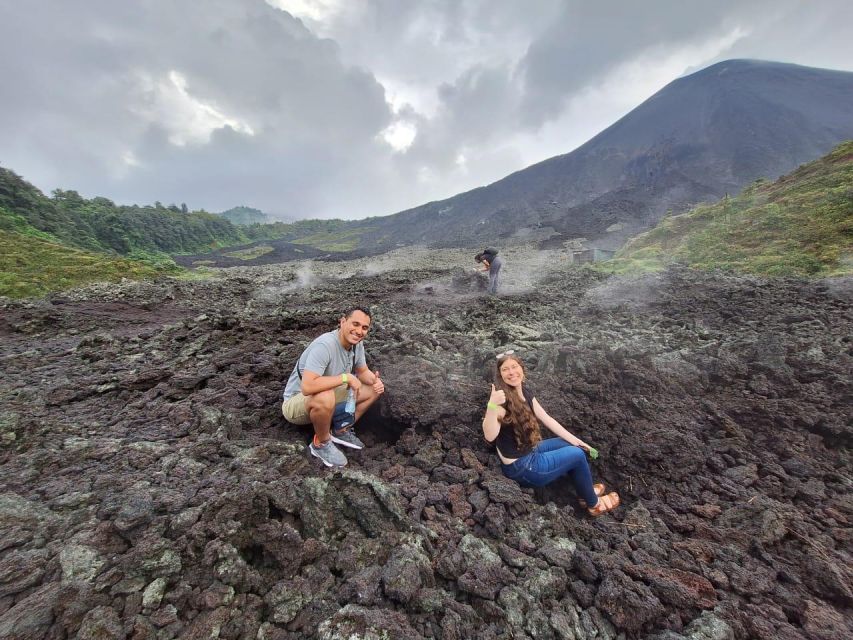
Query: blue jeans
[551,459]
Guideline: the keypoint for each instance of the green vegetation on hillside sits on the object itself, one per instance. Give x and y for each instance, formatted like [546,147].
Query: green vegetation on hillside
[327,235]
[802,225]
[33,266]
[339,240]
[56,242]
[101,225]
[250,253]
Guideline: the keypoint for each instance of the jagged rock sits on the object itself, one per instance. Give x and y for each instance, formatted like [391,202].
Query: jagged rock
[80,562]
[137,509]
[481,569]
[217,595]
[23,521]
[545,584]
[151,473]
[207,624]
[20,570]
[823,622]
[679,588]
[566,623]
[833,582]
[164,616]
[559,552]
[30,618]
[152,596]
[9,425]
[369,624]
[629,605]
[503,490]
[286,599]
[101,623]
[708,627]
[351,497]
[407,570]
[363,588]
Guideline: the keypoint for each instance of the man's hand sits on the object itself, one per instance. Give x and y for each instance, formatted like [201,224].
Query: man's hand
[498,396]
[354,383]
[378,385]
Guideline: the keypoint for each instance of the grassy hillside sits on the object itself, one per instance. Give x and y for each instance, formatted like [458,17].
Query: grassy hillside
[31,265]
[65,240]
[57,242]
[801,224]
[98,224]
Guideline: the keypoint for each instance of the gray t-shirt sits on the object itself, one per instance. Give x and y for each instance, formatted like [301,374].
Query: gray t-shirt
[326,357]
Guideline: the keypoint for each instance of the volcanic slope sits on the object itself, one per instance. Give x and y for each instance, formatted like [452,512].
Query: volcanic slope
[801,224]
[149,487]
[697,139]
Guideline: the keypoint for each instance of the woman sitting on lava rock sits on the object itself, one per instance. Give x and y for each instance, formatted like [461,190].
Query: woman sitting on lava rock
[512,424]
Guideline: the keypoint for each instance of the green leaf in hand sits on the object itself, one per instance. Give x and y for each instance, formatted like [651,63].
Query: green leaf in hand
[593,453]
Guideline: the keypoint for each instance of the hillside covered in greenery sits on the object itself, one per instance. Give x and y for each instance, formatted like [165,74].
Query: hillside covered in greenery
[32,266]
[64,240]
[53,243]
[801,225]
[98,224]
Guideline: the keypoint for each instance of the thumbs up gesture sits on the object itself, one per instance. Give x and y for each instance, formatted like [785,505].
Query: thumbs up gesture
[378,385]
[498,396]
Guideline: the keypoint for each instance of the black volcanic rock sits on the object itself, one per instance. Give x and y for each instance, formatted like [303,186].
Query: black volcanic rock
[150,488]
[698,138]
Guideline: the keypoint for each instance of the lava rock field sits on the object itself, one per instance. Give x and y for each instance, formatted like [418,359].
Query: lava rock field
[151,489]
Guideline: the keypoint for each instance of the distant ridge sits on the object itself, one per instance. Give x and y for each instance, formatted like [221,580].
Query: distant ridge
[245,216]
[697,139]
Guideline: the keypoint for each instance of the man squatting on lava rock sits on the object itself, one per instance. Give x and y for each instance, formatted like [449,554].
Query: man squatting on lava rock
[317,390]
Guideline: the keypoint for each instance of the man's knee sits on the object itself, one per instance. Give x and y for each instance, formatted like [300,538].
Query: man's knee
[323,402]
[367,395]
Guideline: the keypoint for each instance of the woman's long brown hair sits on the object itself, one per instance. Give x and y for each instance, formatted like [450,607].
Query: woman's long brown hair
[518,413]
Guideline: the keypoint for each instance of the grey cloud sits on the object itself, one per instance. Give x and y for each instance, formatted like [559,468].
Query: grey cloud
[435,41]
[80,99]
[591,39]
[83,106]
[482,102]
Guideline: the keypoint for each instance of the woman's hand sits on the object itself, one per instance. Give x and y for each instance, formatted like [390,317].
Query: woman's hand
[592,451]
[494,413]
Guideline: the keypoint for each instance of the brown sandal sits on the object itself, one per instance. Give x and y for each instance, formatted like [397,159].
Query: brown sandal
[599,491]
[605,504]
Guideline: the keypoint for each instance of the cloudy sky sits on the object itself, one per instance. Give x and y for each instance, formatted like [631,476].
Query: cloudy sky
[351,108]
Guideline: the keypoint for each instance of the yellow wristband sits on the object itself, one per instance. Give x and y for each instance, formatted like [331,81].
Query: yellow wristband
[344,378]
[491,405]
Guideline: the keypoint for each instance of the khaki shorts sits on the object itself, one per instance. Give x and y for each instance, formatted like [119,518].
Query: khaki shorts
[295,411]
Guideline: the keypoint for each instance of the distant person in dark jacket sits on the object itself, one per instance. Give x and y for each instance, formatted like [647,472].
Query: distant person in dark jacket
[492,263]
[511,423]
